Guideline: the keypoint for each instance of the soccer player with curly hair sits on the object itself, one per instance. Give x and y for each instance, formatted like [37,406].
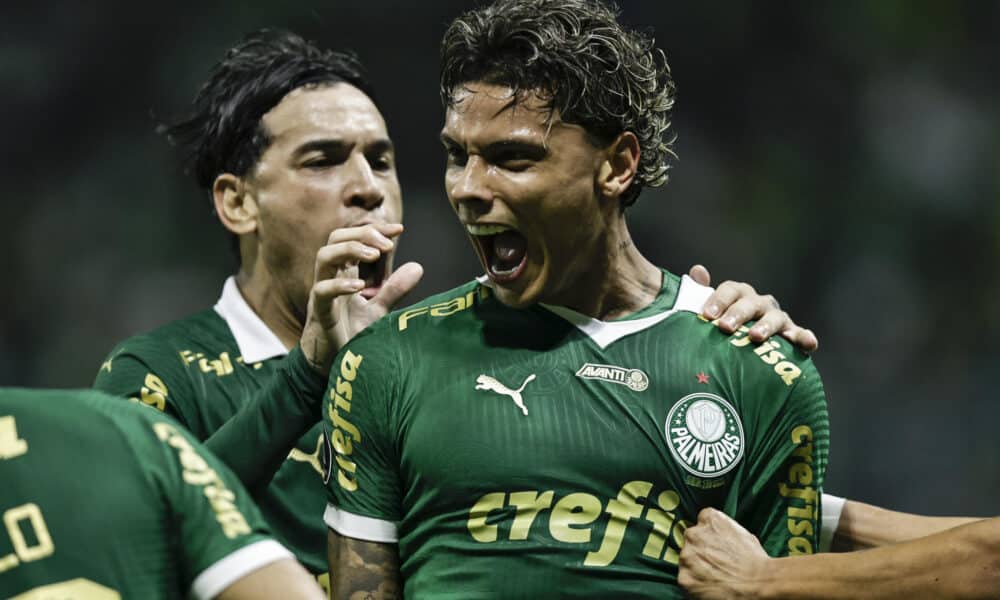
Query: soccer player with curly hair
[553,427]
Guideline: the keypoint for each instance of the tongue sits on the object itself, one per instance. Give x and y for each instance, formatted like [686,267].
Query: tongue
[508,250]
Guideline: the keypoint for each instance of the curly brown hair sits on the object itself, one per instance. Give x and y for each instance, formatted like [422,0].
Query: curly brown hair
[591,69]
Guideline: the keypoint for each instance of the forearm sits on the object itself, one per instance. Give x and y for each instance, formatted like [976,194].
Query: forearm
[961,563]
[865,526]
[359,567]
[256,440]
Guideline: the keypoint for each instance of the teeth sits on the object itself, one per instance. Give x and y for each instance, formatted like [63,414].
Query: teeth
[486,229]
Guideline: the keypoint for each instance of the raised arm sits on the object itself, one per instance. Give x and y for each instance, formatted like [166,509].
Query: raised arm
[721,560]
[357,566]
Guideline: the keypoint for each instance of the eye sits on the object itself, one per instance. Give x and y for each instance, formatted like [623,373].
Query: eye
[456,156]
[320,161]
[513,161]
[381,162]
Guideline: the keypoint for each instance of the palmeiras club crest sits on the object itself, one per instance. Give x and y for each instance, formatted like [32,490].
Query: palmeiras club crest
[705,435]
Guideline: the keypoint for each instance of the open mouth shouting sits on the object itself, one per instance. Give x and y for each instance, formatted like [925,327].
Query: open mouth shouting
[502,249]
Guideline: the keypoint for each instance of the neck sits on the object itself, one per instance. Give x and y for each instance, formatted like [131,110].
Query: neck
[618,281]
[265,297]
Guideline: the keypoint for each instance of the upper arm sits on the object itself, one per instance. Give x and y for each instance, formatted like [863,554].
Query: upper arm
[127,374]
[362,472]
[359,566]
[780,498]
[284,578]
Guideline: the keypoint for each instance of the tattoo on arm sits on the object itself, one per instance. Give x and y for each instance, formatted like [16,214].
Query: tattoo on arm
[361,570]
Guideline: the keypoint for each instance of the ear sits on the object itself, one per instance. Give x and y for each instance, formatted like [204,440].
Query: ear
[620,165]
[235,205]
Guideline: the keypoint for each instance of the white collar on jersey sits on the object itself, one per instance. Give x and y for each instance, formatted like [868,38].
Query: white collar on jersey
[690,297]
[255,339]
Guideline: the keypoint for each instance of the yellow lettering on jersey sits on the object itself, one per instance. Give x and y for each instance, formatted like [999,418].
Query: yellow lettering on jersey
[220,366]
[571,520]
[11,446]
[800,487]
[78,589]
[444,309]
[621,509]
[196,471]
[528,504]
[154,392]
[28,516]
[345,434]
[570,516]
[769,354]
[480,511]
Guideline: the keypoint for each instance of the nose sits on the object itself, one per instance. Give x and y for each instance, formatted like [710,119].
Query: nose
[468,187]
[363,190]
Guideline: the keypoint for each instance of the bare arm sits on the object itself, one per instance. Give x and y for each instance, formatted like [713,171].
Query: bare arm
[865,526]
[361,570]
[721,560]
[281,579]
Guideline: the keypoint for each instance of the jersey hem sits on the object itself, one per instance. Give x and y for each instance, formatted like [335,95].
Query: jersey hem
[227,570]
[360,527]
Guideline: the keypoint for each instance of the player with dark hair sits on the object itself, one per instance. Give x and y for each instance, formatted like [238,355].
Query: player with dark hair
[552,428]
[293,151]
[104,500]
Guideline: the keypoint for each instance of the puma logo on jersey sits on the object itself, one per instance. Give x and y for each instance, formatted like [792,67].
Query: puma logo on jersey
[485,382]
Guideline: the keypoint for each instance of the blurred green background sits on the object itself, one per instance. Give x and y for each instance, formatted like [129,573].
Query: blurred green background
[844,156]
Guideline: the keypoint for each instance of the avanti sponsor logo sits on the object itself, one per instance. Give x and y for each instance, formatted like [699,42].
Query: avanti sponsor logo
[634,379]
[705,435]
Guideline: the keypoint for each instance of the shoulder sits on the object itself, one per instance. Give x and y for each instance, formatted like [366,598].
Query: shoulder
[430,311]
[774,364]
[200,327]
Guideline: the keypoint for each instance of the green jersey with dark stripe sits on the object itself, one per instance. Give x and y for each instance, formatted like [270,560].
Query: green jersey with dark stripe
[193,370]
[104,500]
[540,453]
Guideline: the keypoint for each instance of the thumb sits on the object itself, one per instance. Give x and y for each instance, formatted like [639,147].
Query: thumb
[701,275]
[399,283]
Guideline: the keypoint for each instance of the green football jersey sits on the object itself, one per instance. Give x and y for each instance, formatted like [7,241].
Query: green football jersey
[193,369]
[102,500]
[540,453]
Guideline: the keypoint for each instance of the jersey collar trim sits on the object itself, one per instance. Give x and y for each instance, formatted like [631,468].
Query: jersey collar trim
[255,340]
[690,298]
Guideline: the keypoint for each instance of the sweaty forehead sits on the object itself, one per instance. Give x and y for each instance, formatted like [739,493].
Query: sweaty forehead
[481,109]
[340,110]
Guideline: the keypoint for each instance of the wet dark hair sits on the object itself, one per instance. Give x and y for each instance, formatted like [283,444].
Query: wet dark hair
[223,132]
[589,67]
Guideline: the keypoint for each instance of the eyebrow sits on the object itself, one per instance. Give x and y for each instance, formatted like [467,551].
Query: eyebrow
[532,150]
[335,146]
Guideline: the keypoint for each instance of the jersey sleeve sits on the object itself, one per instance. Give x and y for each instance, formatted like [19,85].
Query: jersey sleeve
[147,376]
[779,499]
[220,533]
[255,441]
[362,464]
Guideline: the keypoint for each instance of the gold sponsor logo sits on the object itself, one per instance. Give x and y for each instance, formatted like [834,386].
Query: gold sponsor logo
[573,517]
[195,471]
[769,354]
[345,434]
[800,490]
[444,309]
